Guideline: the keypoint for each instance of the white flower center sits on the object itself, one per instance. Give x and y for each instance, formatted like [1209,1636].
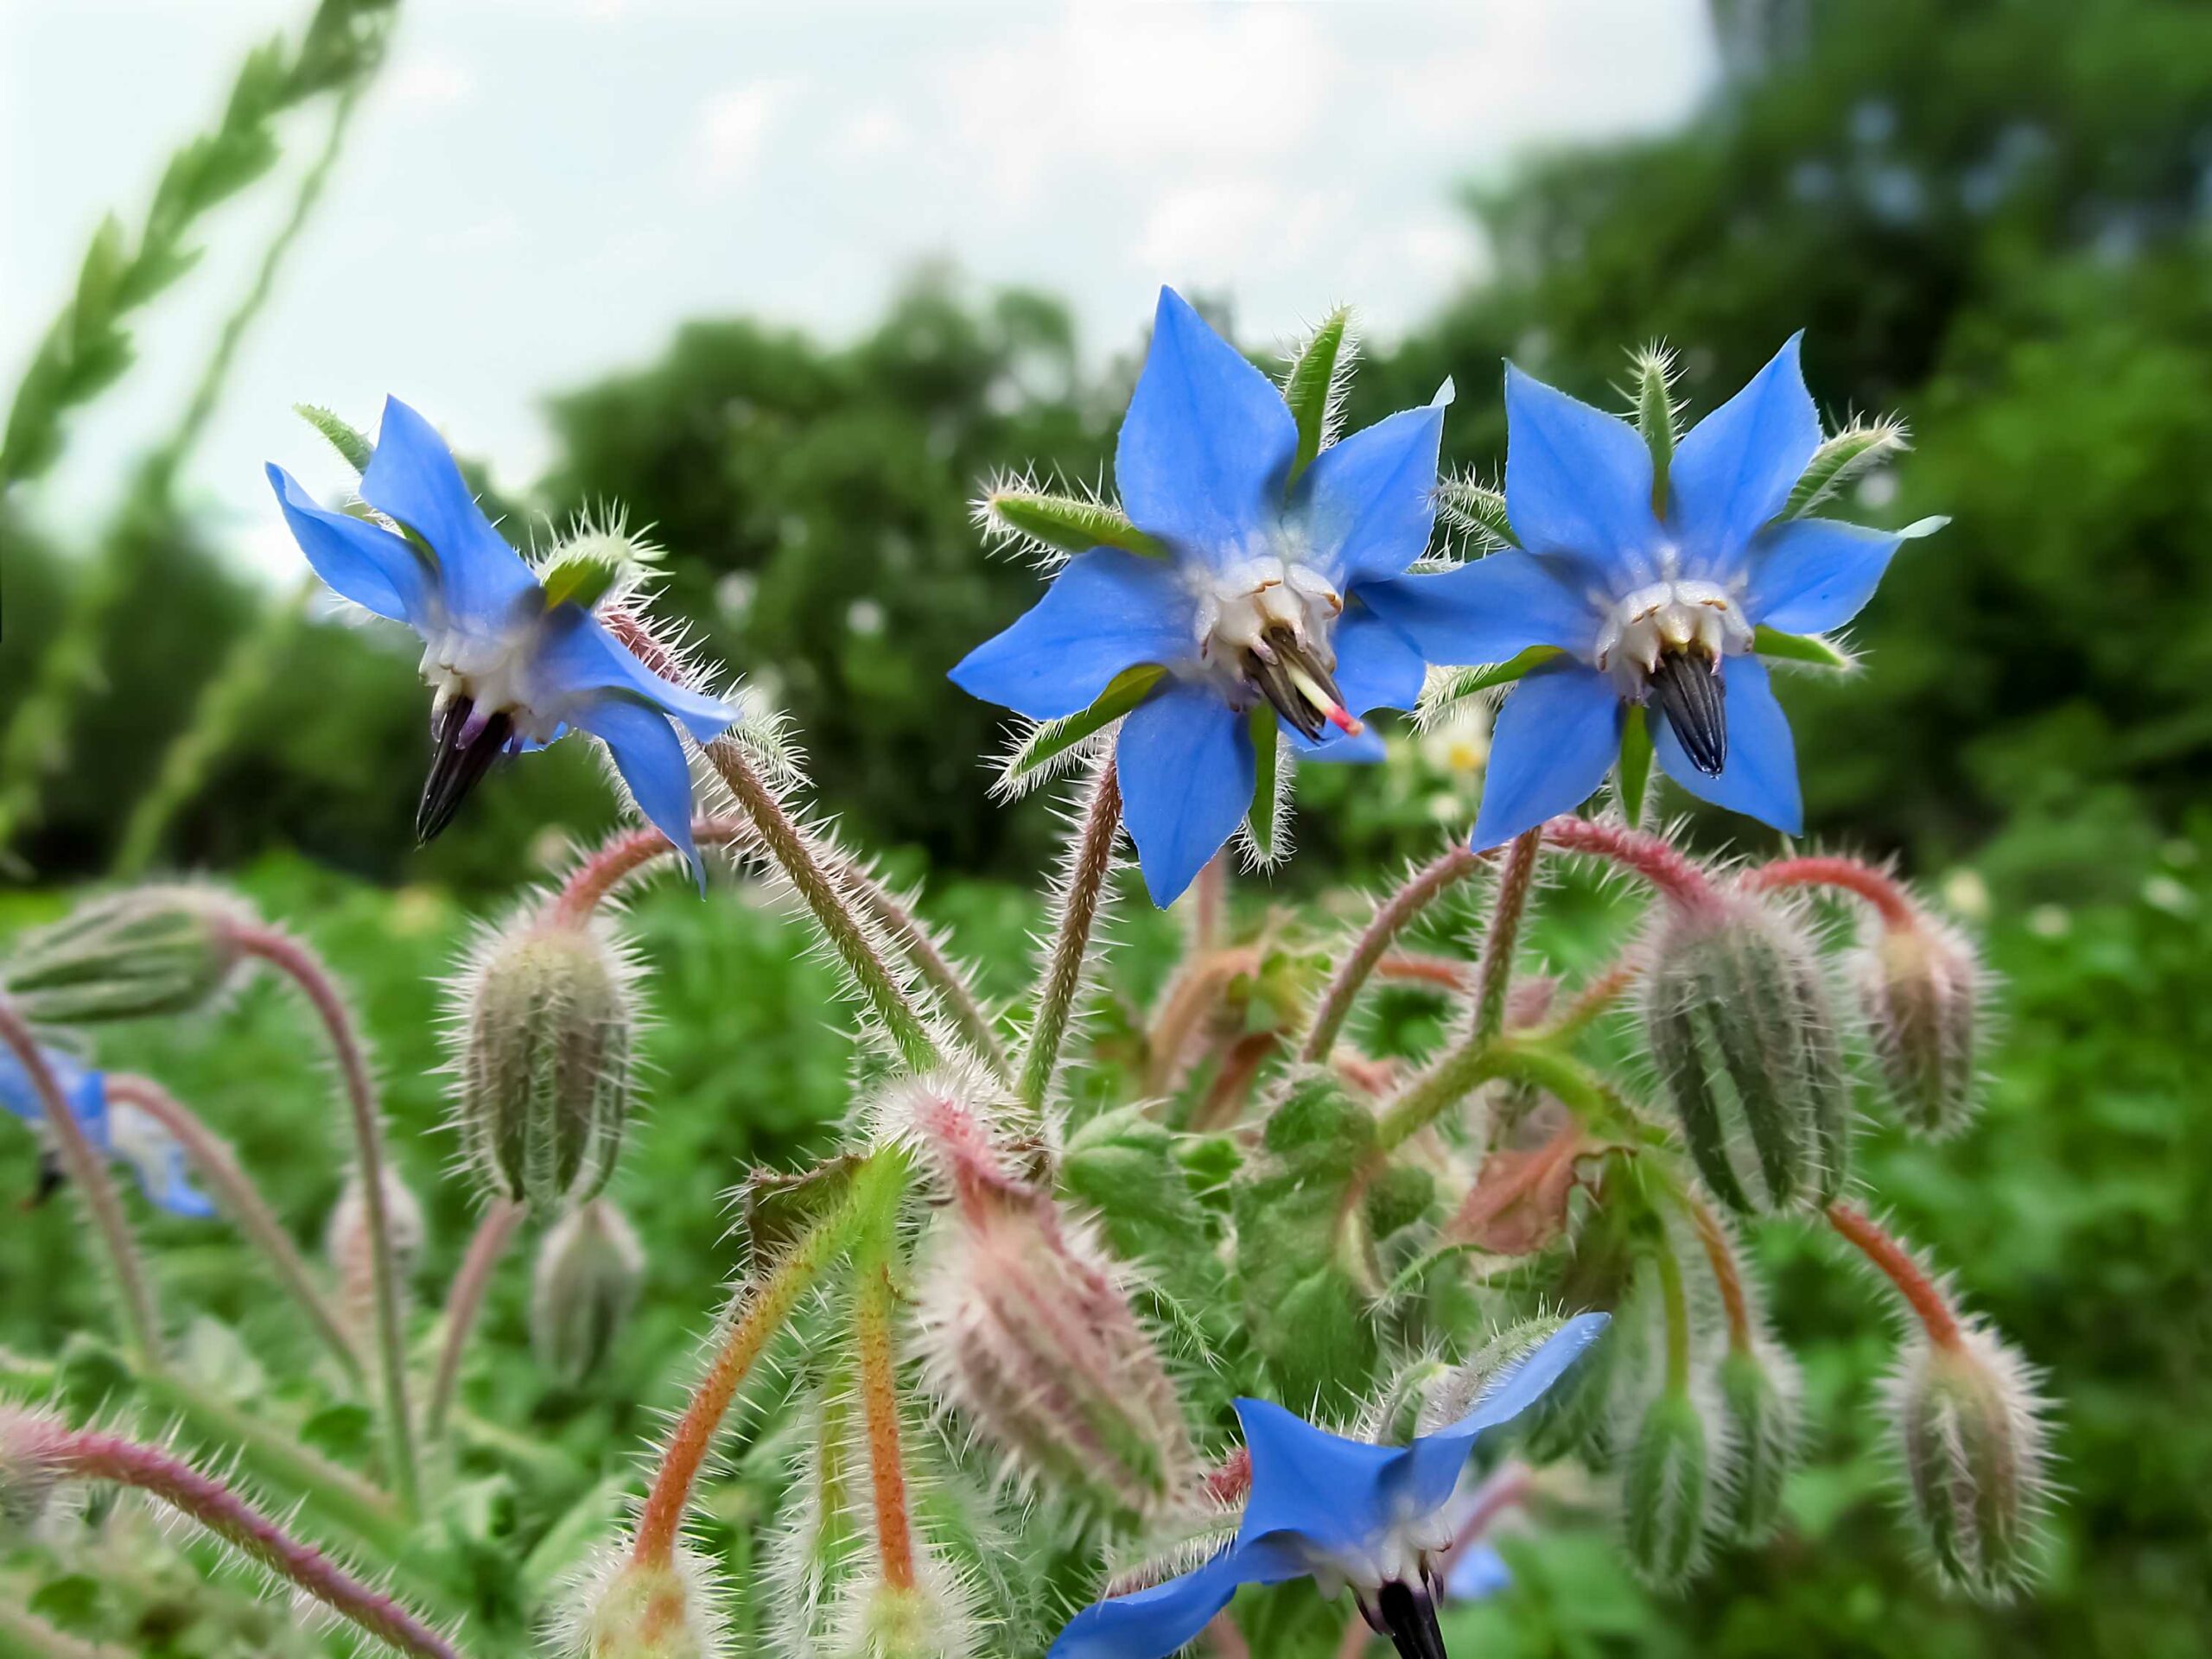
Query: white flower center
[1264,626]
[492,671]
[1663,616]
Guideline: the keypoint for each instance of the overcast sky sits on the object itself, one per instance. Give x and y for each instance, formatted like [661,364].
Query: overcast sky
[538,190]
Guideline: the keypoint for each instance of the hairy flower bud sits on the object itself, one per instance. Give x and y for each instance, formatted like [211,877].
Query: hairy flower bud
[545,1023]
[589,1267]
[1667,1489]
[137,953]
[348,1244]
[1743,1030]
[1027,1329]
[28,1473]
[1970,1430]
[928,1619]
[623,1608]
[1758,1418]
[1919,987]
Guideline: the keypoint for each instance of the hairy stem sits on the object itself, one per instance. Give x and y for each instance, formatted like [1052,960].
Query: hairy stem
[1672,875]
[464,1301]
[1083,896]
[1888,899]
[874,1300]
[1598,993]
[1392,917]
[88,1170]
[235,1190]
[1727,1273]
[87,1456]
[1190,997]
[294,960]
[1494,974]
[1209,902]
[1922,1294]
[1674,1305]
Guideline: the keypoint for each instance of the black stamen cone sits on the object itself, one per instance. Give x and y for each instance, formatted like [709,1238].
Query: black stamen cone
[1409,1619]
[1691,695]
[458,762]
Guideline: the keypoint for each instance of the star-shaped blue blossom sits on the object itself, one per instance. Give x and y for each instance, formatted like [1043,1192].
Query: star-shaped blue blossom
[121,1131]
[513,667]
[1266,592]
[1650,608]
[1377,1518]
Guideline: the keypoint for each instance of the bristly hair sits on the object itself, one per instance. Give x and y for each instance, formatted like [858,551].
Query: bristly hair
[1349,347]
[1004,539]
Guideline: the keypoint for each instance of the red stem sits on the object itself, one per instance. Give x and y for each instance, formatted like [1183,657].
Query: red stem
[464,1301]
[894,1537]
[1890,900]
[1674,876]
[1391,919]
[1720,1253]
[1921,1293]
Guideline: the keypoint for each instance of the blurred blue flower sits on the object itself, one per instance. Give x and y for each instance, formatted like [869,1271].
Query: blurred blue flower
[513,668]
[1648,608]
[122,1131]
[1377,1518]
[1265,592]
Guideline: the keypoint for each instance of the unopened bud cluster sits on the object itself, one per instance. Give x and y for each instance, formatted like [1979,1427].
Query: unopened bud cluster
[1744,1032]
[588,1271]
[143,953]
[1970,1432]
[1920,989]
[545,1024]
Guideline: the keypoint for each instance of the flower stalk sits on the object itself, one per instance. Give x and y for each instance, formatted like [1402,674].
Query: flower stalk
[464,1302]
[1494,974]
[874,1300]
[1894,1262]
[1083,894]
[1391,919]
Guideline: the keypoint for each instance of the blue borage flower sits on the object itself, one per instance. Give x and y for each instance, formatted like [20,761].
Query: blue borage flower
[1645,600]
[513,666]
[122,1132]
[1264,593]
[1377,1518]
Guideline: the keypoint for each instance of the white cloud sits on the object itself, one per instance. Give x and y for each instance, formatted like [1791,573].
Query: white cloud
[733,126]
[423,81]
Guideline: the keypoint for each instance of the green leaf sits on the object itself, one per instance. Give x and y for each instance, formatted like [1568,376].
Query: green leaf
[1635,775]
[345,1432]
[346,440]
[1801,648]
[1265,819]
[1464,683]
[1851,453]
[1315,384]
[99,280]
[1122,1165]
[1654,415]
[1066,523]
[1031,761]
[1477,508]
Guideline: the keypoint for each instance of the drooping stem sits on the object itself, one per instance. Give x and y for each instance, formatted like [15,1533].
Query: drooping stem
[1727,1273]
[242,1200]
[1082,897]
[1922,1294]
[1494,974]
[1189,998]
[88,1170]
[1674,876]
[755,1314]
[464,1301]
[1391,919]
[1526,1059]
[1209,902]
[1599,992]
[1888,899]
[296,962]
[1674,1308]
[874,1300]
[85,1456]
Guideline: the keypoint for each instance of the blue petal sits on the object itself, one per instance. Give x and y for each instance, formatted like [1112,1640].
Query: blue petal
[1427,1470]
[1106,611]
[1760,776]
[1311,1484]
[1734,470]
[1478,1573]
[1207,443]
[158,1161]
[1578,482]
[1151,1624]
[1187,771]
[1366,750]
[1812,574]
[412,478]
[85,1090]
[1369,503]
[1491,608]
[651,758]
[1559,731]
[376,570]
[576,659]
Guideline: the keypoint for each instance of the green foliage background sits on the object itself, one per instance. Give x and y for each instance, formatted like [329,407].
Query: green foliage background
[1994,218]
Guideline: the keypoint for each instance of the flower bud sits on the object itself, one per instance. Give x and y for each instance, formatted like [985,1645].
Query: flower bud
[29,1472]
[928,1619]
[1758,1419]
[1667,1489]
[1969,1425]
[622,1608]
[350,1247]
[138,954]
[1920,988]
[586,1282]
[1026,1328]
[1744,1033]
[547,1018]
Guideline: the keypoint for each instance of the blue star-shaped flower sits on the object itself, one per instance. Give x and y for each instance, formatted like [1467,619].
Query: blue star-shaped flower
[122,1132]
[513,669]
[1344,1512]
[1266,592]
[1648,607]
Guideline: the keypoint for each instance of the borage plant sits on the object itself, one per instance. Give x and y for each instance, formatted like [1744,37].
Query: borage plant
[1066,1349]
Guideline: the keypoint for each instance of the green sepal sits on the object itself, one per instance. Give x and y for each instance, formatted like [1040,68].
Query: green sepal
[1655,415]
[1049,739]
[1635,776]
[348,441]
[1856,449]
[781,1208]
[1801,648]
[1477,508]
[1312,386]
[1068,522]
[1265,819]
[1465,682]
[579,580]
